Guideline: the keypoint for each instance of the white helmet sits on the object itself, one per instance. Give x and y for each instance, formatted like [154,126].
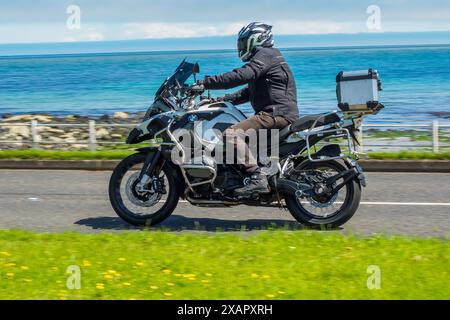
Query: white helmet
[256,34]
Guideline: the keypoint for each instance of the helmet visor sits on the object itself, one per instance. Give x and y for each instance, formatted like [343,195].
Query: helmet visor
[242,46]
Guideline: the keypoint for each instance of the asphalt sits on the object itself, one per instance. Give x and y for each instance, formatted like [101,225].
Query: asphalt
[53,201]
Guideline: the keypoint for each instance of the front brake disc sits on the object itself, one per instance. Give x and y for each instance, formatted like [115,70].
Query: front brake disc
[146,199]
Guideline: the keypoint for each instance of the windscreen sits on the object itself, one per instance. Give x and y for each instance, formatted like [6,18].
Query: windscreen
[181,74]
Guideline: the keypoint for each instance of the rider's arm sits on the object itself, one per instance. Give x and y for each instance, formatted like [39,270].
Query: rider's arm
[257,67]
[240,97]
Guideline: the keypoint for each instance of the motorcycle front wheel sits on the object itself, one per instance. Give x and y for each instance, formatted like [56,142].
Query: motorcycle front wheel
[142,207]
[324,211]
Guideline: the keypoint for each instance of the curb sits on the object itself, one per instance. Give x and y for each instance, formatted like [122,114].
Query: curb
[91,165]
[428,166]
[438,166]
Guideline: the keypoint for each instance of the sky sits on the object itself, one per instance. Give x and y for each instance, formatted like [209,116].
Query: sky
[43,21]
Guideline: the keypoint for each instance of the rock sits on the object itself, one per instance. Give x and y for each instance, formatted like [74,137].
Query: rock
[29,117]
[70,140]
[120,115]
[102,133]
[24,117]
[67,135]
[104,118]
[50,130]
[19,131]
[79,146]
[45,119]
[71,118]
[55,139]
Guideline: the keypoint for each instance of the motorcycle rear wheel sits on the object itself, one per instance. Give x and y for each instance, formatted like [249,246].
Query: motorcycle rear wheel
[345,212]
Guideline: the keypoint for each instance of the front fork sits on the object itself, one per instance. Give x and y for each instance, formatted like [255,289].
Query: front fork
[147,171]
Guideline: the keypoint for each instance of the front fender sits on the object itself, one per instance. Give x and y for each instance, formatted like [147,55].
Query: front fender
[137,136]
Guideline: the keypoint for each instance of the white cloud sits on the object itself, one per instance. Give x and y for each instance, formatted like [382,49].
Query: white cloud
[95,36]
[88,34]
[293,27]
[160,30]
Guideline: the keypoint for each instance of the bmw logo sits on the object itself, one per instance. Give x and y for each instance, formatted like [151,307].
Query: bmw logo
[193,118]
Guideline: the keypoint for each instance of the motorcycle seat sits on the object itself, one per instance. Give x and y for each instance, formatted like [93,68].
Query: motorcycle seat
[307,122]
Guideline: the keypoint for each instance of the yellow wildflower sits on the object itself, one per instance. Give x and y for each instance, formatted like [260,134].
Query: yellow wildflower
[170,284]
[254,275]
[24,268]
[86,263]
[10,274]
[167,271]
[139,264]
[270,296]
[168,294]
[153,287]
[126,284]
[122,259]
[100,286]
[4,253]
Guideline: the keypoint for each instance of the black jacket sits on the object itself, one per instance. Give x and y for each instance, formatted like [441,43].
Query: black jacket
[271,84]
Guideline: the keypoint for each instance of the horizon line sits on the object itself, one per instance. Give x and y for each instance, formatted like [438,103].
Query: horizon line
[224,36]
[385,46]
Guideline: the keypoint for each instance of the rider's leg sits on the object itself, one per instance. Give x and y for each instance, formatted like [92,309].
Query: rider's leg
[236,136]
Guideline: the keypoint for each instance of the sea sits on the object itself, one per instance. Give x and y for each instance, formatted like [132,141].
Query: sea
[416,80]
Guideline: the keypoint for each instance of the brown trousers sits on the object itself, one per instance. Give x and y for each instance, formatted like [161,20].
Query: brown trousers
[236,135]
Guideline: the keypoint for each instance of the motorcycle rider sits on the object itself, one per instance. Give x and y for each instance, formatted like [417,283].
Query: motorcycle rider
[270,89]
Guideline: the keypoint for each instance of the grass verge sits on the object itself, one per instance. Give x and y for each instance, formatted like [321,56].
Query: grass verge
[64,155]
[120,154]
[266,265]
[409,155]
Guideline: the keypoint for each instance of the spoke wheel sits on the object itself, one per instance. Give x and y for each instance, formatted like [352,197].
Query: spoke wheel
[323,209]
[142,205]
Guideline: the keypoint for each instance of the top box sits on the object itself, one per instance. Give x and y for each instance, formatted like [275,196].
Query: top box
[358,91]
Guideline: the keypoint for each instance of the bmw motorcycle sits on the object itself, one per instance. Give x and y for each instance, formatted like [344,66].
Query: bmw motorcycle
[318,182]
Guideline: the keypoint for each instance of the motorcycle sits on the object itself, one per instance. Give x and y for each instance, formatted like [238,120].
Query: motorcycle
[320,188]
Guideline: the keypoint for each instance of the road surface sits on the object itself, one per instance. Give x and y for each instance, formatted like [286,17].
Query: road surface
[393,203]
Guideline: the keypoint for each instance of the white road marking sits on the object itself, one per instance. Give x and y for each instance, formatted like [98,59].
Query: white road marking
[373,203]
[407,203]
